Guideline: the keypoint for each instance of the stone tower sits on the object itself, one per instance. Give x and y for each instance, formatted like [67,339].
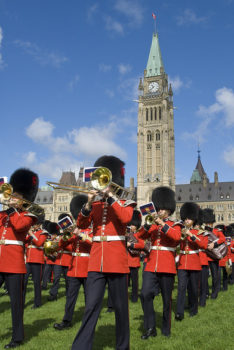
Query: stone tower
[155,137]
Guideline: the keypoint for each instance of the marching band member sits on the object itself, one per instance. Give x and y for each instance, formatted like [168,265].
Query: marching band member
[209,219]
[108,261]
[134,247]
[61,264]
[35,259]
[14,225]
[80,242]
[53,233]
[160,267]
[232,255]
[225,261]
[189,266]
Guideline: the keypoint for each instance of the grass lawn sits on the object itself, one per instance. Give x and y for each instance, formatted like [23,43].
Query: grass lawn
[211,329]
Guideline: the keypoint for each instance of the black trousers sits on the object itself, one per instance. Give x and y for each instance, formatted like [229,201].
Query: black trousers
[15,285]
[74,284]
[188,278]
[47,274]
[222,269]
[58,271]
[203,284]
[151,280]
[232,275]
[95,289]
[214,269]
[133,276]
[35,270]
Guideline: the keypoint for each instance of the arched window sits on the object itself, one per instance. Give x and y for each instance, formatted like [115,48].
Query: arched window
[151,113]
[155,113]
[149,136]
[157,135]
[160,113]
[146,114]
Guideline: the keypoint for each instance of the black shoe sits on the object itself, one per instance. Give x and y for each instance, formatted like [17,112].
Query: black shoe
[62,325]
[207,296]
[52,297]
[110,309]
[13,344]
[43,288]
[192,314]
[179,317]
[151,332]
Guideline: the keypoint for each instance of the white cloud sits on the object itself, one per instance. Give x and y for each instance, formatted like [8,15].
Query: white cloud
[92,11]
[131,9]
[228,155]
[177,83]
[129,88]
[105,67]
[109,93]
[223,107]
[224,104]
[124,68]
[113,25]
[43,57]
[72,84]
[2,64]
[63,151]
[189,17]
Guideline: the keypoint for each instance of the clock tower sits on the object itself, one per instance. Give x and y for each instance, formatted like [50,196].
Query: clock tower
[155,136]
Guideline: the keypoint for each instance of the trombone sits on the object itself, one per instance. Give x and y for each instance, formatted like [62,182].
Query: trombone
[101,179]
[6,191]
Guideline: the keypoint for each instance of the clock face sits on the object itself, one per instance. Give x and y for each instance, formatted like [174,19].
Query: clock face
[153,87]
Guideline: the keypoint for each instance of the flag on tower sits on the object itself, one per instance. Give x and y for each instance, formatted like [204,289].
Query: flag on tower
[154,16]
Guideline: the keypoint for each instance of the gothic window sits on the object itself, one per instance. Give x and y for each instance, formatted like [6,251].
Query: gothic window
[197,197]
[157,146]
[228,196]
[157,135]
[229,217]
[151,113]
[149,136]
[209,197]
[146,114]
[221,196]
[179,198]
[149,146]
[191,197]
[159,113]
[155,113]
[44,199]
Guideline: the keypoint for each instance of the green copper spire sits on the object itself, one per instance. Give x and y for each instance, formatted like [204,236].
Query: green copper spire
[155,59]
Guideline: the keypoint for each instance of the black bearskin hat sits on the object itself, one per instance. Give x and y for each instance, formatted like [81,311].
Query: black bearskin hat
[63,215]
[77,203]
[208,216]
[189,210]
[115,165]
[53,228]
[136,219]
[164,198]
[45,224]
[229,231]
[200,217]
[40,219]
[221,227]
[25,182]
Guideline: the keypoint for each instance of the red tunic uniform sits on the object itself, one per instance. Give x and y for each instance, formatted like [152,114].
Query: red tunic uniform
[80,256]
[189,252]
[34,247]
[232,250]
[64,254]
[134,259]
[13,231]
[221,238]
[108,253]
[163,245]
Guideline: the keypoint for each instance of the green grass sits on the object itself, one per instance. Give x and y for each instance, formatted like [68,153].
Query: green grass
[211,329]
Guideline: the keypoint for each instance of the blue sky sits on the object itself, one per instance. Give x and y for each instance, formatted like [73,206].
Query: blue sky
[69,72]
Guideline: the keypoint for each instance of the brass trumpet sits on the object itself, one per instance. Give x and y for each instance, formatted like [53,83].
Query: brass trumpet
[6,191]
[101,179]
[150,219]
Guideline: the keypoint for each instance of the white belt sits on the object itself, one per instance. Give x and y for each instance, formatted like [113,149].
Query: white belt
[232,248]
[65,252]
[159,247]
[108,238]
[201,250]
[80,254]
[189,251]
[10,241]
[33,246]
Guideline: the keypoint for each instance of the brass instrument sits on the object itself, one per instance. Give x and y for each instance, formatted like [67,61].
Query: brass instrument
[150,219]
[6,191]
[100,180]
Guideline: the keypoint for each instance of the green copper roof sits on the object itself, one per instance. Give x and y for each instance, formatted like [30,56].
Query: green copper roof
[155,59]
[195,178]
